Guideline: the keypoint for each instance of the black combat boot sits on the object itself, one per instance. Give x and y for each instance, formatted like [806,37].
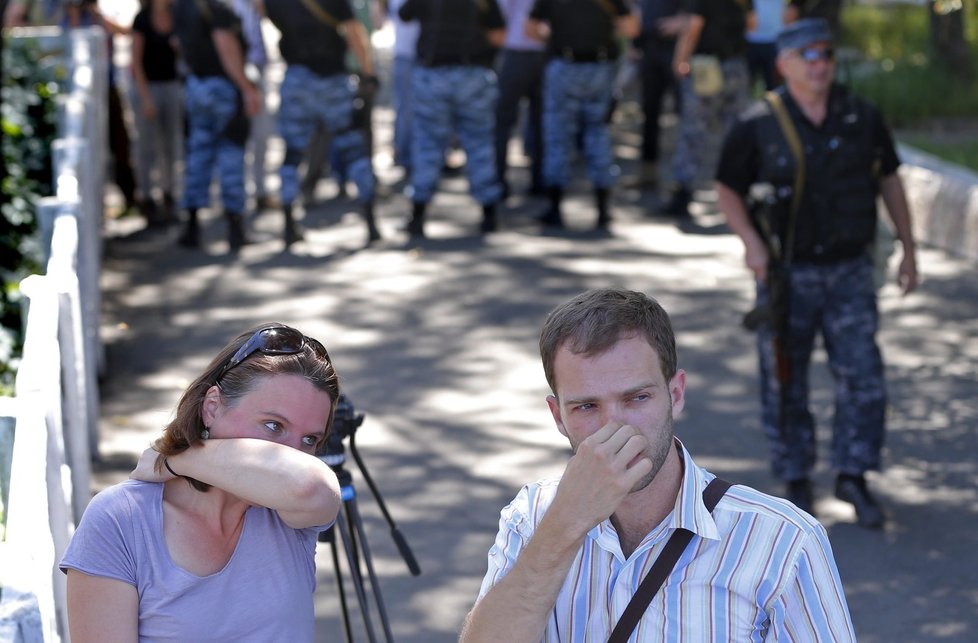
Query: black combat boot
[415,226]
[190,236]
[291,231]
[552,217]
[678,204]
[489,223]
[236,233]
[604,214]
[373,234]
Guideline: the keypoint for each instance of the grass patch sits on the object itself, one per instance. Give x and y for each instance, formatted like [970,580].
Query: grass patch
[963,152]
[896,69]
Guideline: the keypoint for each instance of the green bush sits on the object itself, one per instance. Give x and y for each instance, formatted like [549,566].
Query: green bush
[28,116]
[898,70]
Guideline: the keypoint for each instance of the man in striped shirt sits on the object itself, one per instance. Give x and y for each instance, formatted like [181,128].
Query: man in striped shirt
[571,551]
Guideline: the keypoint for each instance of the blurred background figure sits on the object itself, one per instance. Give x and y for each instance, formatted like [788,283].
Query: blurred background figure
[711,65]
[85,13]
[158,108]
[220,99]
[520,71]
[402,93]
[662,21]
[262,126]
[582,40]
[455,92]
[763,24]
[318,91]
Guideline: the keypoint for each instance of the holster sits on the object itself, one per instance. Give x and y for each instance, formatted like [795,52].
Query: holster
[238,127]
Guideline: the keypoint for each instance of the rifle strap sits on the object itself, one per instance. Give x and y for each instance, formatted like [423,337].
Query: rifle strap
[662,567]
[321,14]
[204,10]
[607,7]
[794,142]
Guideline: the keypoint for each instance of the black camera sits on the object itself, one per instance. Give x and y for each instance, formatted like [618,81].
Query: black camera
[346,421]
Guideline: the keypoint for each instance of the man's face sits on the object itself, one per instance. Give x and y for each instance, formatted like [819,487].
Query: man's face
[623,385]
[811,68]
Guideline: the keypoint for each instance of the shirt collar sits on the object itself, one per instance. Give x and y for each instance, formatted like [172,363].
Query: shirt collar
[689,512]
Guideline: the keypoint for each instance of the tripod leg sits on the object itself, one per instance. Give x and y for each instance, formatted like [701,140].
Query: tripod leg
[330,537]
[355,575]
[378,598]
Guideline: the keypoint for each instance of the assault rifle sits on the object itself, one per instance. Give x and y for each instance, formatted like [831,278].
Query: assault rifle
[775,313]
[779,234]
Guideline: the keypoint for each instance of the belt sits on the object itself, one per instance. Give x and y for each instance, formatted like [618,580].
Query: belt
[575,56]
[451,60]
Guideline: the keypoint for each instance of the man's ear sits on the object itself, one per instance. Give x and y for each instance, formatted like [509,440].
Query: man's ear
[211,406]
[677,392]
[554,405]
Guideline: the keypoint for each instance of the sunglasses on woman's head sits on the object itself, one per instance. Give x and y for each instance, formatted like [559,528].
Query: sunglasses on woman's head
[278,340]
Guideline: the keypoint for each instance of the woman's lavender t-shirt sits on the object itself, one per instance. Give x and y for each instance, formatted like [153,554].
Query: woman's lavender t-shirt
[264,593]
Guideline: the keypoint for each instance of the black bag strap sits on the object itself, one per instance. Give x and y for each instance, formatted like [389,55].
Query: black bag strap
[319,13]
[662,567]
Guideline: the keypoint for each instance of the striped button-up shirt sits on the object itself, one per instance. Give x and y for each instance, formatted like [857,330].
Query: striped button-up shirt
[757,569]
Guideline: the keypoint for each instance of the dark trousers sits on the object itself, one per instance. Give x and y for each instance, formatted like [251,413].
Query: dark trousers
[761,58]
[657,79]
[520,75]
[119,144]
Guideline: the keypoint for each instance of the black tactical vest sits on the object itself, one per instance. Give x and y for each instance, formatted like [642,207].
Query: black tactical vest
[837,216]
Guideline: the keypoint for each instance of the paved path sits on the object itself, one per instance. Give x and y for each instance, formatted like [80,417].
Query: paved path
[436,344]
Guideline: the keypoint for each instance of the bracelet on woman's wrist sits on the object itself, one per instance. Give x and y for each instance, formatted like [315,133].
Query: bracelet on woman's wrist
[166,464]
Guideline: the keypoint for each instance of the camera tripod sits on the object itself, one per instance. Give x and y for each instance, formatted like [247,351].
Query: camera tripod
[350,527]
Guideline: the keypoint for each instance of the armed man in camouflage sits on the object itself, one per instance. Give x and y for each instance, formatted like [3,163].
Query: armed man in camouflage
[823,156]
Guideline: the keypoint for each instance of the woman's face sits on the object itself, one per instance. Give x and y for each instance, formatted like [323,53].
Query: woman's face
[281,408]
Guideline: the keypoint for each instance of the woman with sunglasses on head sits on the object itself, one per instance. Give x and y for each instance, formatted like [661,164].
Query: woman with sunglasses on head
[214,536]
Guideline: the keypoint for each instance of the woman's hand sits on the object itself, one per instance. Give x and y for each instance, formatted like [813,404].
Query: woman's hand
[146,469]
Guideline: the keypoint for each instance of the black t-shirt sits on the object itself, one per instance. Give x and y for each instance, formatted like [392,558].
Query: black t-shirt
[581,26]
[159,59]
[309,39]
[850,121]
[454,31]
[194,30]
[724,27]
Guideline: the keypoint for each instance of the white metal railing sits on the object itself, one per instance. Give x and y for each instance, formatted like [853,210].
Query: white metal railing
[55,410]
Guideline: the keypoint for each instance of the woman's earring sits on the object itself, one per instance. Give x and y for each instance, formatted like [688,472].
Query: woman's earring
[205,434]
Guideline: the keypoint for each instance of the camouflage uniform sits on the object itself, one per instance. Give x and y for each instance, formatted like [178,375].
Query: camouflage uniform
[577,92]
[703,114]
[460,100]
[211,103]
[308,99]
[577,95]
[318,90]
[838,301]
[455,91]
[217,125]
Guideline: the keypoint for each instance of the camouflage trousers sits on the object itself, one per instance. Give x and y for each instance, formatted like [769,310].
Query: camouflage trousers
[838,302]
[461,100]
[577,96]
[211,104]
[705,119]
[308,99]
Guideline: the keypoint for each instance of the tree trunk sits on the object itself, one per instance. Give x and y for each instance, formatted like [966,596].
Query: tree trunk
[947,36]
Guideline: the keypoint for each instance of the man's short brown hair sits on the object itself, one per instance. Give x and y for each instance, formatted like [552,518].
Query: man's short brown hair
[596,320]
